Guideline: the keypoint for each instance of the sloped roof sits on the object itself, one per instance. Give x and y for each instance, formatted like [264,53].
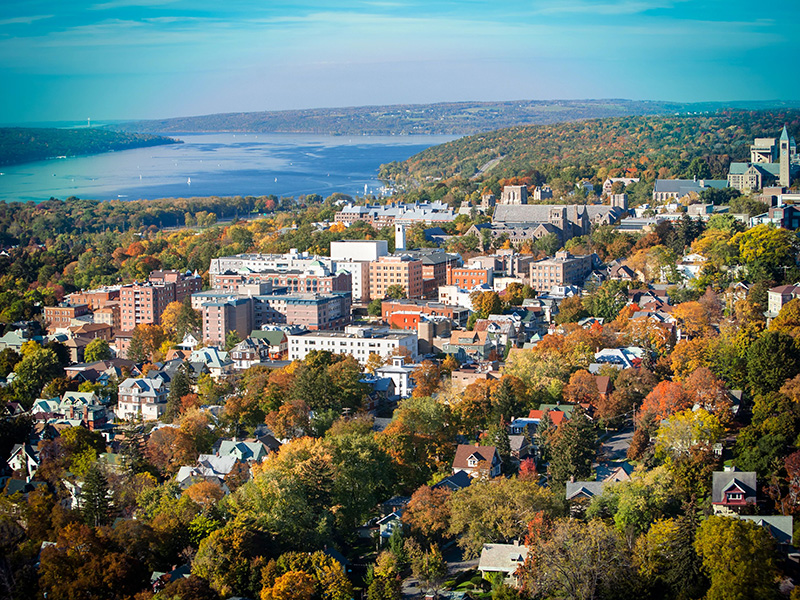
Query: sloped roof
[778,526]
[504,558]
[455,482]
[584,488]
[485,454]
[723,480]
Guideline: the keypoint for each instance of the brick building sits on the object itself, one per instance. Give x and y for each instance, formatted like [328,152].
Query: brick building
[457,314]
[395,270]
[469,277]
[95,299]
[63,314]
[144,302]
[562,269]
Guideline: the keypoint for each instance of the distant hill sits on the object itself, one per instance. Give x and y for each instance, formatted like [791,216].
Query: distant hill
[663,146]
[25,144]
[449,118]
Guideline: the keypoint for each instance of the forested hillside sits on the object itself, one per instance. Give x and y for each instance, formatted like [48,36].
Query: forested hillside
[646,146]
[449,118]
[23,144]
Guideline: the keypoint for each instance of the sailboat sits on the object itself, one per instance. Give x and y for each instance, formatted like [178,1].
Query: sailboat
[189,181]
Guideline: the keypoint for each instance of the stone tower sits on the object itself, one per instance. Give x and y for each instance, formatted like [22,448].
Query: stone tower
[558,218]
[785,174]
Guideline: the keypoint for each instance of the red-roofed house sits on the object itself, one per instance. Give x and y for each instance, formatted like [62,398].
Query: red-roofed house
[556,416]
[477,461]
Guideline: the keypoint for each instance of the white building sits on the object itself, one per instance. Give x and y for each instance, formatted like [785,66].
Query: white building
[359,279]
[359,250]
[141,398]
[400,374]
[452,295]
[359,342]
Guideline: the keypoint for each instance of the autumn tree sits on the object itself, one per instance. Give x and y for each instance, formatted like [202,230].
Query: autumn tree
[427,378]
[665,399]
[738,557]
[428,513]
[582,388]
[179,318]
[486,303]
[146,342]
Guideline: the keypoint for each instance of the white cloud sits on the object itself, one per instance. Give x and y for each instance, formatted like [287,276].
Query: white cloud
[24,20]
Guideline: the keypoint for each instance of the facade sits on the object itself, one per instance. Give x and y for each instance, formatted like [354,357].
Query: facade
[380,215]
[562,269]
[108,314]
[143,398]
[315,280]
[732,491]
[419,308]
[665,190]
[533,221]
[144,302]
[224,315]
[95,299]
[770,164]
[470,277]
[395,270]
[514,194]
[778,296]
[359,342]
[61,316]
[400,374]
[359,250]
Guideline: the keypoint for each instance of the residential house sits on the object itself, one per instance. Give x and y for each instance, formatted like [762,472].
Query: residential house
[244,450]
[731,491]
[24,459]
[276,340]
[779,527]
[143,398]
[454,482]
[475,345]
[209,467]
[477,461]
[505,559]
[217,362]
[400,374]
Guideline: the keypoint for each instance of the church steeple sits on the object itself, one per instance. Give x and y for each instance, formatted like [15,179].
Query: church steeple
[785,178]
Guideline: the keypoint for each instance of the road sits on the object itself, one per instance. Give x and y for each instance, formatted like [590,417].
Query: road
[616,446]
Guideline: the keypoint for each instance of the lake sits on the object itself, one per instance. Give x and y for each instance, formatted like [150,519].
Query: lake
[218,164]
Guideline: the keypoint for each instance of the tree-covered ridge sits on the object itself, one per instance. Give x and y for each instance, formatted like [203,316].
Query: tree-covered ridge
[451,118]
[24,144]
[639,146]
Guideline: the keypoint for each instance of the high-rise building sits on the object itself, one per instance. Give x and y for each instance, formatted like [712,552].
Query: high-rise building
[395,270]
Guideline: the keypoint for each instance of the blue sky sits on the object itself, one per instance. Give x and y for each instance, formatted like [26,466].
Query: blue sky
[127,59]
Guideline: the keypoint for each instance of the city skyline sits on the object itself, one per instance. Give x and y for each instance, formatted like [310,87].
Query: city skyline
[131,59]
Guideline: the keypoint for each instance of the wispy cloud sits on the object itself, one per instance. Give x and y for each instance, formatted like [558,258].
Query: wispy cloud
[131,3]
[626,7]
[24,20]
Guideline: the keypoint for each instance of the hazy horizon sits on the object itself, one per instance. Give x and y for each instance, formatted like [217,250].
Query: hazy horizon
[151,59]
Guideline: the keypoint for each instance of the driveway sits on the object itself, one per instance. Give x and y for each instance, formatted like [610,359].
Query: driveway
[615,447]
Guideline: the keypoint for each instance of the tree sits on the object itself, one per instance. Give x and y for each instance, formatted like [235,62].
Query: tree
[428,513]
[788,319]
[97,349]
[35,369]
[573,449]
[145,342]
[224,560]
[570,310]
[739,559]
[94,497]
[188,588]
[427,378]
[179,318]
[582,388]
[375,307]
[688,428]
[231,339]
[486,303]
[180,386]
[665,399]
[430,568]
[8,360]
[771,360]
[293,585]
[396,292]
[577,560]
[495,511]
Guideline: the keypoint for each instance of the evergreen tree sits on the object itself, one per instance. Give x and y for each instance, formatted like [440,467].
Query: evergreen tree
[684,574]
[180,386]
[505,404]
[573,449]
[95,503]
[497,436]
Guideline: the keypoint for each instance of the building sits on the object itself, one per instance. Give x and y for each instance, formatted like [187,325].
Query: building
[413,310]
[505,559]
[562,269]
[514,194]
[777,297]
[732,491]
[143,398]
[389,271]
[784,216]
[145,302]
[359,342]
[477,461]
[108,315]
[470,277]
[608,184]
[224,315]
[474,345]
[533,221]
[400,374]
[62,315]
[95,299]
[380,216]
[770,164]
[542,192]
[358,250]
[665,190]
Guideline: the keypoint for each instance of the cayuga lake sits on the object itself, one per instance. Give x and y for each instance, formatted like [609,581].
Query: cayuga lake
[218,164]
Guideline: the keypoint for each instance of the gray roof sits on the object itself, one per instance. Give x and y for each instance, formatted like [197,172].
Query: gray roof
[455,482]
[779,527]
[740,168]
[505,558]
[587,488]
[685,186]
[724,479]
[540,213]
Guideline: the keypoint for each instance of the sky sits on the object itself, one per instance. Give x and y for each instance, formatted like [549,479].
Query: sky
[64,60]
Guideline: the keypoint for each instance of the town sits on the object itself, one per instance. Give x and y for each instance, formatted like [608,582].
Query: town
[525,393]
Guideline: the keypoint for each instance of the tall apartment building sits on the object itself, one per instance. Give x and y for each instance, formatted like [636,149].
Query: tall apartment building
[562,269]
[395,270]
[224,315]
[144,302]
[359,342]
